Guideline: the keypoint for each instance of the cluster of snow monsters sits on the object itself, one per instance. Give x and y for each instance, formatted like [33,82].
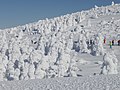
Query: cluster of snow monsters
[47,48]
[24,57]
[20,60]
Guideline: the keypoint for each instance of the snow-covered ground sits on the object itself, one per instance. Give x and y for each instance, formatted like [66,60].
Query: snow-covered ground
[66,52]
[109,82]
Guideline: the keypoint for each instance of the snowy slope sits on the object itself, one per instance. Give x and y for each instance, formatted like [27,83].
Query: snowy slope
[65,52]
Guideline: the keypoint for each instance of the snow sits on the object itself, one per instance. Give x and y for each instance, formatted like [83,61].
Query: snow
[65,52]
[101,82]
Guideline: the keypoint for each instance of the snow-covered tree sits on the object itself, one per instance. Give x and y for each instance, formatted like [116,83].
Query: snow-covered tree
[10,71]
[63,63]
[31,71]
[39,72]
[109,65]
[72,70]
[1,68]
[97,48]
[16,74]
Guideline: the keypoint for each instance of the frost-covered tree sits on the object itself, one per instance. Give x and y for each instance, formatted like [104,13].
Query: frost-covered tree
[70,41]
[25,70]
[97,48]
[72,70]
[63,63]
[109,65]
[10,71]
[1,68]
[84,46]
[31,71]
[39,72]
[16,74]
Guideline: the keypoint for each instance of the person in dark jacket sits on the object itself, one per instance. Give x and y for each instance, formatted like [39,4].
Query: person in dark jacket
[118,42]
[112,42]
[104,40]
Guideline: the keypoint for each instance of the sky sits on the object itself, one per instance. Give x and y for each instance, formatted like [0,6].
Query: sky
[20,12]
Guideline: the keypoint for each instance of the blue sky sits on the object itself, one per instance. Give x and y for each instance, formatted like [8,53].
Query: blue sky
[20,12]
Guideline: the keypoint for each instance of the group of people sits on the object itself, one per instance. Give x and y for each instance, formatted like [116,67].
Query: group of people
[112,42]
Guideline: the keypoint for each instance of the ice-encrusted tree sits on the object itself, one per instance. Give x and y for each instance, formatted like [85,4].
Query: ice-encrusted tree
[16,74]
[109,65]
[40,73]
[97,47]
[83,36]
[84,46]
[15,54]
[70,42]
[31,71]
[1,68]
[63,63]
[42,68]
[25,70]
[10,71]
[113,3]
[72,69]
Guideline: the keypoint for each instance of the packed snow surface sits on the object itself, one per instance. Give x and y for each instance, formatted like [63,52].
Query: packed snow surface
[109,82]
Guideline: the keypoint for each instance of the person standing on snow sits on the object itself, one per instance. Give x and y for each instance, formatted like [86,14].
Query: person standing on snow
[110,43]
[104,40]
[118,42]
